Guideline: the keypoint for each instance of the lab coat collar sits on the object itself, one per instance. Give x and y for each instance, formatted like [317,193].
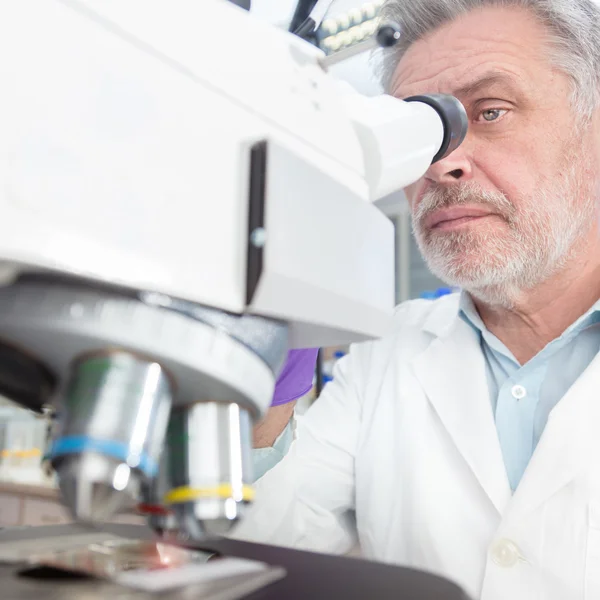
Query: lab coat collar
[458,392]
[444,315]
[460,396]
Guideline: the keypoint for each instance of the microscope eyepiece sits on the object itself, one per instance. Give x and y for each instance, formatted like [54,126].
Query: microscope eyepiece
[454,119]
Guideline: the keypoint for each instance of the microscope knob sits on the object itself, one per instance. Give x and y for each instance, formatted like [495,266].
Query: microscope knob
[388,34]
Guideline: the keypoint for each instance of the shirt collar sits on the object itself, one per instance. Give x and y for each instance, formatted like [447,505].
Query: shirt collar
[469,314]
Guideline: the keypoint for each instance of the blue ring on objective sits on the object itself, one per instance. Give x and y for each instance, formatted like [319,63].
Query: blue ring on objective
[119,450]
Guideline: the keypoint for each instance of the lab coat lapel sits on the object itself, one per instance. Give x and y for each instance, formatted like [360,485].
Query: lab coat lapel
[452,373]
[566,446]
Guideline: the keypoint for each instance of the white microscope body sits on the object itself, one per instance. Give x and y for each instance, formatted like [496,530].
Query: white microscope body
[185,193]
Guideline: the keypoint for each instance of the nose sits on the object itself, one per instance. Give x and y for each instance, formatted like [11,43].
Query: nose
[452,169]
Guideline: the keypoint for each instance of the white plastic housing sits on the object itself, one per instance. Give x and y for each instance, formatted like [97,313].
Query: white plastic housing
[124,158]
[398,138]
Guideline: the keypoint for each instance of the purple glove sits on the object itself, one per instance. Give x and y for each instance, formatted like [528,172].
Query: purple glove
[296,378]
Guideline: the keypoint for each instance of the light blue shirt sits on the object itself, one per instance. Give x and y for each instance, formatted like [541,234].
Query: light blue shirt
[522,397]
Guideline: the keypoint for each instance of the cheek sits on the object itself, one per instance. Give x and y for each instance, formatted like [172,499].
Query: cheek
[513,172]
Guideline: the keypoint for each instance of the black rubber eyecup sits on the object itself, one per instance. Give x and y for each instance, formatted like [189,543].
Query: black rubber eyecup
[454,120]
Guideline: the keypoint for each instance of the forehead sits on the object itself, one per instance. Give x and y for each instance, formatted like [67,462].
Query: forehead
[503,40]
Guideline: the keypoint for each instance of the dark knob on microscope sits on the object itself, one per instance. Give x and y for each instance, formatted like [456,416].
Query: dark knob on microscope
[388,34]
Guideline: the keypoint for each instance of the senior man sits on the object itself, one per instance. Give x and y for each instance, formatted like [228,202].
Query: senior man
[467,441]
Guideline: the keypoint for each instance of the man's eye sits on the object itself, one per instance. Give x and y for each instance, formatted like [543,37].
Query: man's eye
[492,114]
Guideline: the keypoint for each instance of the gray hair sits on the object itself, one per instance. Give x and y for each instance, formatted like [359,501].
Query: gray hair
[574,27]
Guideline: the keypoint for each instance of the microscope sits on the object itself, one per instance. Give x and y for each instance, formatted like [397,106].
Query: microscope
[186,194]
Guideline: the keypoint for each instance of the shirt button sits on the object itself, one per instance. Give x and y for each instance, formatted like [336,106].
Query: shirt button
[518,392]
[505,553]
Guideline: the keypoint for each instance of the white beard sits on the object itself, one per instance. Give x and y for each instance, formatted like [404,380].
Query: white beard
[538,240]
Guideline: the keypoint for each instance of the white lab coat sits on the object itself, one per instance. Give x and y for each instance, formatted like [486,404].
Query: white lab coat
[402,450]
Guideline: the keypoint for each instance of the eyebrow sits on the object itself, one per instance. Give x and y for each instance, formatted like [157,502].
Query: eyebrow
[484,81]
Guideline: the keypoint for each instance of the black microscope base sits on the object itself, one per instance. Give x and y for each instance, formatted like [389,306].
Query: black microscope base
[309,576]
